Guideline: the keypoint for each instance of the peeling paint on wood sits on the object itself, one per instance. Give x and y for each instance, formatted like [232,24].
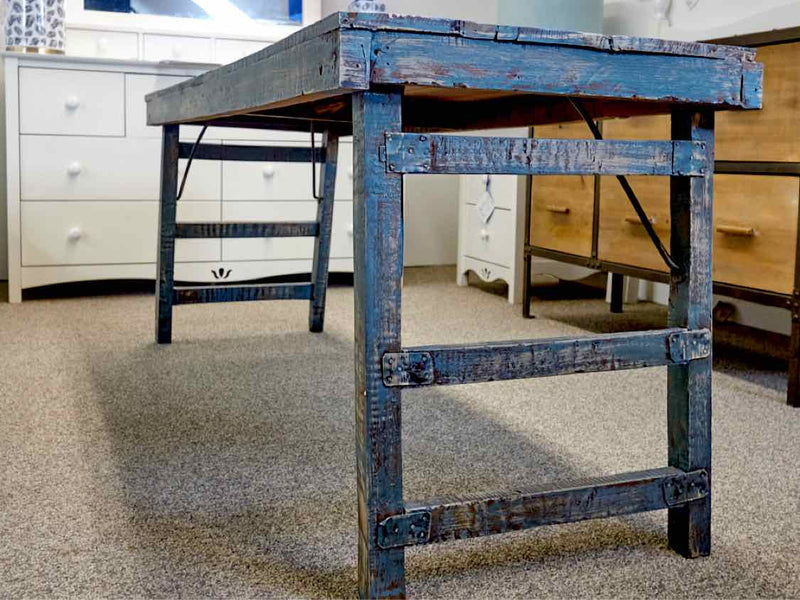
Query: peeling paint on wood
[458,518]
[501,361]
[245,230]
[442,154]
[243,293]
[690,305]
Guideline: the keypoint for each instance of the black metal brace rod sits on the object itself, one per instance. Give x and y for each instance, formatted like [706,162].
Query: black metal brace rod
[314,192]
[626,187]
[189,163]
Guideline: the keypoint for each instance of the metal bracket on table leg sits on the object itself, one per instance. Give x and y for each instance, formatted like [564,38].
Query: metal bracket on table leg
[686,488]
[405,530]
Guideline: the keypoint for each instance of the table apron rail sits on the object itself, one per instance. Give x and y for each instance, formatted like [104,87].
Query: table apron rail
[447,154]
[241,293]
[500,361]
[287,154]
[246,230]
[500,512]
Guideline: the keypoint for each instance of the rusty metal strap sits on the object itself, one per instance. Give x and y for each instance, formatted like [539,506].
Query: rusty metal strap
[685,488]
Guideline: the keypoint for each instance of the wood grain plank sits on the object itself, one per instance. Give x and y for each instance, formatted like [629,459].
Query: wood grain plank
[243,293]
[523,508]
[286,154]
[246,230]
[378,256]
[408,59]
[689,386]
[307,71]
[537,35]
[442,154]
[773,133]
[168,206]
[569,231]
[524,359]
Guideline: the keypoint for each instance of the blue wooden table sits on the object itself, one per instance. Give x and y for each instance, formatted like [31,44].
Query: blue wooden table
[398,85]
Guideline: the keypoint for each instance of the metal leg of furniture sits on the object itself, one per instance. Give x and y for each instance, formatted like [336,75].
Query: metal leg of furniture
[165,282]
[690,305]
[378,248]
[322,243]
[527,259]
[793,392]
[617,289]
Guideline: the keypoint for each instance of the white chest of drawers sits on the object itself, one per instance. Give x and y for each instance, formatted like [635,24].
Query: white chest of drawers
[82,182]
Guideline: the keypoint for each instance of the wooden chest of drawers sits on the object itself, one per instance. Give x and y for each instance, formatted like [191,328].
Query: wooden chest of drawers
[756,199]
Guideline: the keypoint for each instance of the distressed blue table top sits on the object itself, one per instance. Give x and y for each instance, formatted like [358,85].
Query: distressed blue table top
[460,75]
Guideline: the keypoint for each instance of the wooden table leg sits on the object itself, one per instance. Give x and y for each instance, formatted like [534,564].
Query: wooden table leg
[617,290]
[378,247]
[322,243]
[690,305]
[165,276]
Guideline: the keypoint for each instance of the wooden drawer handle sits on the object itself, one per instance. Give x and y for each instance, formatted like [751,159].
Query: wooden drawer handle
[562,210]
[735,230]
[636,221]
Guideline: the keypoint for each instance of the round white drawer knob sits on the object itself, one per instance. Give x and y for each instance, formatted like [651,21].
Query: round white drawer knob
[74,234]
[177,51]
[102,44]
[72,103]
[350,172]
[350,229]
[269,171]
[484,234]
[74,169]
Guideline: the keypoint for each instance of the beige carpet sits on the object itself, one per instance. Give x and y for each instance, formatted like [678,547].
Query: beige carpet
[223,465]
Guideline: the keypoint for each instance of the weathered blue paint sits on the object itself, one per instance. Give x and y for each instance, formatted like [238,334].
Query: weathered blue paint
[246,230]
[378,252]
[286,154]
[241,293]
[501,361]
[166,233]
[449,519]
[690,305]
[407,59]
[367,64]
[347,53]
[447,154]
[322,244]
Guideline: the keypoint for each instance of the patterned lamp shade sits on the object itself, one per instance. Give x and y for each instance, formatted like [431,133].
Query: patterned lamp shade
[35,26]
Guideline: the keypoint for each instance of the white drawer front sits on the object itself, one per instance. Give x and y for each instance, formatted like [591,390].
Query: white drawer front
[228,51]
[102,44]
[71,102]
[286,248]
[254,181]
[67,168]
[177,48]
[502,187]
[91,233]
[492,241]
[197,250]
[136,88]
[71,233]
